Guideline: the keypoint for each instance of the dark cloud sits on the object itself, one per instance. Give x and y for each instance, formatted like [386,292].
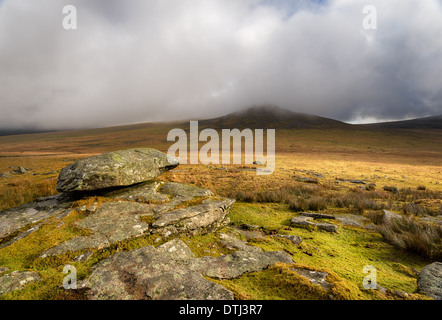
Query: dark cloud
[135,61]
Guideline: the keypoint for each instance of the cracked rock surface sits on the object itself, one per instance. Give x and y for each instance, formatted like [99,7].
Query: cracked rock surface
[172,272]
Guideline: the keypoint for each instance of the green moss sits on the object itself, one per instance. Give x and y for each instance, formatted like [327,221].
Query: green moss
[206,245]
[344,253]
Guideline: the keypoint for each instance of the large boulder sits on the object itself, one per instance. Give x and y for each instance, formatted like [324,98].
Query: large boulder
[430,280]
[114,169]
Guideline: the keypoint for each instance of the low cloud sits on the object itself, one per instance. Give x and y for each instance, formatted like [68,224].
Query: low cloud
[136,61]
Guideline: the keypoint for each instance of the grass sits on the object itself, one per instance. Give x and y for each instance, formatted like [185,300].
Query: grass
[414,236]
[344,253]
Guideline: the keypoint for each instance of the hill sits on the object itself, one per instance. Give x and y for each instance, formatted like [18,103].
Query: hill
[268,117]
[433,122]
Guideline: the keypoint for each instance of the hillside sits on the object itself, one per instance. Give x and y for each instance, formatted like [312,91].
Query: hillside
[268,116]
[433,122]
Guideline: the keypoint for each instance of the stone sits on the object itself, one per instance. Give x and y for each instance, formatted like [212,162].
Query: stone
[309,180]
[20,170]
[357,181]
[77,244]
[317,215]
[234,243]
[206,217]
[429,281]
[355,220]
[14,219]
[327,227]
[171,272]
[303,221]
[294,239]
[315,277]
[114,169]
[17,280]
[118,220]
[388,216]
[394,190]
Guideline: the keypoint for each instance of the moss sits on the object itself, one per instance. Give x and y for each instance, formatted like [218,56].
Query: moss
[277,282]
[344,254]
[206,245]
[148,219]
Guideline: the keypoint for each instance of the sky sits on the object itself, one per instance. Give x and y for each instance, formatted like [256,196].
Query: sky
[162,60]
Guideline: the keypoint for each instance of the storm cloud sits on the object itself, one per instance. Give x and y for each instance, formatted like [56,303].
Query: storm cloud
[151,60]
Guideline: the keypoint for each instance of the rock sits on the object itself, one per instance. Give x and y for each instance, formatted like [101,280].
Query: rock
[14,219]
[117,220]
[77,244]
[317,215]
[233,243]
[315,277]
[327,227]
[247,226]
[388,216]
[309,180]
[371,187]
[4,174]
[114,169]
[430,280]
[17,280]
[240,262]
[302,221]
[294,239]
[355,220]
[20,170]
[171,272]
[394,190]
[357,181]
[206,217]
[252,234]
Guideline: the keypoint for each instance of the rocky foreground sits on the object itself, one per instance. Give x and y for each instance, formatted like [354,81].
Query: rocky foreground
[132,205]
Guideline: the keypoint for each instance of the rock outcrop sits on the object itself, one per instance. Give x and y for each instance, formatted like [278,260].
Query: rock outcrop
[133,205]
[172,272]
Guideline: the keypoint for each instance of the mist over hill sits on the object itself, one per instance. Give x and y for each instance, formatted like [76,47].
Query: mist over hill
[265,117]
[270,116]
[433,122]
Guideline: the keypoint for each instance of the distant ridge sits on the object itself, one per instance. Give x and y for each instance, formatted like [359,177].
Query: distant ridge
[271,117]
[14,132]
[433,122]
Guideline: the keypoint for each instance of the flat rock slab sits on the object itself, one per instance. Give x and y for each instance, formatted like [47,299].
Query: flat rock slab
[354,220]
[303,221]
[317,215]
[17,280]
[172,272]
[14,219]
[123,217]
[430,280]
[114,169]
